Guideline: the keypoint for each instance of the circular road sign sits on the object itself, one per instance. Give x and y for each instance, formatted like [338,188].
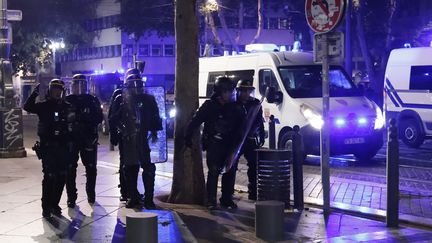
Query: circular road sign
[324,15]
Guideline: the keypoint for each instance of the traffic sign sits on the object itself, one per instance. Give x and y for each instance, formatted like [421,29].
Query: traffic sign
[324,15]
[14,15]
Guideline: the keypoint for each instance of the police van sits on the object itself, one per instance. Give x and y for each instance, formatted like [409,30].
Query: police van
[407,97]
[295,98]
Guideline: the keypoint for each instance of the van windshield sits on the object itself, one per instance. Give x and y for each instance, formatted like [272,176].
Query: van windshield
[306,82]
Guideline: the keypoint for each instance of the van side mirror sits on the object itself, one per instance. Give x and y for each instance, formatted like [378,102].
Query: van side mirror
[273,96]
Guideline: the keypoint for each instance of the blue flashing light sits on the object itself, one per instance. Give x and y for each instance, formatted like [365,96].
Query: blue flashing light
[120,70]
[362,121]
[340,122]
[144,78]
[407,45]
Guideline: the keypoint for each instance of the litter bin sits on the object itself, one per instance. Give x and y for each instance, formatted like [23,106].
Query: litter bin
[273,175]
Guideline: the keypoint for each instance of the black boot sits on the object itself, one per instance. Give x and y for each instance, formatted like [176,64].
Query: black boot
[131,174]
[148,180]
[71,186]
[91,173]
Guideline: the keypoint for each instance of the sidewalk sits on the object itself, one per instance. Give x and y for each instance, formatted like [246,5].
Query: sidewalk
[21,221]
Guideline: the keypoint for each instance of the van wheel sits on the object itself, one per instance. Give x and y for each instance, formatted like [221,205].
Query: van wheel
[285,142]
[411,133]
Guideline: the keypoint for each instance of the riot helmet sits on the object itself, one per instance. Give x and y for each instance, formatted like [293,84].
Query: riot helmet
[244,84]
[223,84]
[79,84]
[56,89]
[134,84]
[131,71]
[244,89]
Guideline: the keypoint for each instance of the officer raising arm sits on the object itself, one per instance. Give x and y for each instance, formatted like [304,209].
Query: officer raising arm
[255,137]
[54,131]
[137,115]
[85,130]
[222,119]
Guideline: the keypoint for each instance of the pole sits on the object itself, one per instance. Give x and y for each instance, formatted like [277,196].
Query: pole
[11,129]
[392,218]
[325,141]
[272,133]
[348,57]
[297,155]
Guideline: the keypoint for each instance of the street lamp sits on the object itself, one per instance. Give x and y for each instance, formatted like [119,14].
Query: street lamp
[54,46]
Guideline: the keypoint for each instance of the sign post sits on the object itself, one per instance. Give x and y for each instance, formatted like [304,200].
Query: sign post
[323,16]
[11,132]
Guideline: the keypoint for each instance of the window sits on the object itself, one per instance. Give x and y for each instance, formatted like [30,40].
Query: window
[250,22]
[169,50]
[306,82]
[127,50]
[421,78]
[235,76]
[267,79]
[156,50]
[273,23]
[143,50]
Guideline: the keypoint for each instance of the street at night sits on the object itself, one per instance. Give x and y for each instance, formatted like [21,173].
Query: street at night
[215,121]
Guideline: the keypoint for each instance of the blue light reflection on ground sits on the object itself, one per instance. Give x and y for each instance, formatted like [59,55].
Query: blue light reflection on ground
[168,231]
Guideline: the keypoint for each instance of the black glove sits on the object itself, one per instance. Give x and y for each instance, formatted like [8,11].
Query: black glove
[154,137]
[261,141]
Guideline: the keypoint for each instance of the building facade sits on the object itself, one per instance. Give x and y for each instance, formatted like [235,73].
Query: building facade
[112,50]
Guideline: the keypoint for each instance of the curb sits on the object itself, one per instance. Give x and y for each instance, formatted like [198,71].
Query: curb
[187,236]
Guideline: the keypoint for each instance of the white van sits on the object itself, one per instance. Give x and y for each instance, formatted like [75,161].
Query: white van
[356,122]
[408,98]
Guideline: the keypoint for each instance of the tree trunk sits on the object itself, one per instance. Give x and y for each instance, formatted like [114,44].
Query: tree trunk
[240,22]
[214,31]
[362,41]
[260,23]
[225,27]
[188,177]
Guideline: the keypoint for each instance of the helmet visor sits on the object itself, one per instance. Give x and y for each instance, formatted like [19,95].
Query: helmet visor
[79,87]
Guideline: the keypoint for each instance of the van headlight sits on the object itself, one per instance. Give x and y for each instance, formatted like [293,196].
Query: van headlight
[312,117]
[379,121]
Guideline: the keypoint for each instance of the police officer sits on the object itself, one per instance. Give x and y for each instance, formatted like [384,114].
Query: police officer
[89,115]
[255,137]
[137,115]
[54,131]
[222,119]
[115,137]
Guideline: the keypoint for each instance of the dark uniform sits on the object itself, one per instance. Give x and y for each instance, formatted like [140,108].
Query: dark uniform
[221,123]
[137,114]
[256,136]
[54,131]
[89,115]
[116,137]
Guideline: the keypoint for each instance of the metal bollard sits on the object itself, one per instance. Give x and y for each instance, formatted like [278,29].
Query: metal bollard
[392,218]
[269,220]
[272,133]
[297,155]
[142,227]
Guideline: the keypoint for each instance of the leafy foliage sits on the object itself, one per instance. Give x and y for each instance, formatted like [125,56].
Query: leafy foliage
[47,19]
[140,17]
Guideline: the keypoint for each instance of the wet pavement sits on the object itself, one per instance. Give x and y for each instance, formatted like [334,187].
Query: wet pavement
[21,221]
